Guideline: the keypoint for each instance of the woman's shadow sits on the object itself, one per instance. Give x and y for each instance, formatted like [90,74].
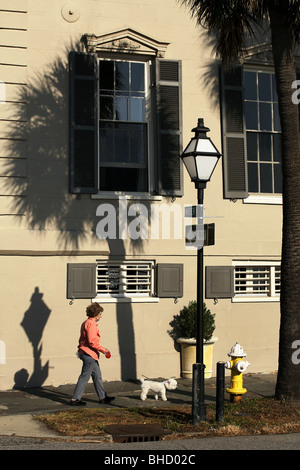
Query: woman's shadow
[34,322]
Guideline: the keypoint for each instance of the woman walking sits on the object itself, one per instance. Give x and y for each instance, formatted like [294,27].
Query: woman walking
[88,351]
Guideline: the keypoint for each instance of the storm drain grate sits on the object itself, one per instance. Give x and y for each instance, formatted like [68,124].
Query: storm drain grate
[136,432]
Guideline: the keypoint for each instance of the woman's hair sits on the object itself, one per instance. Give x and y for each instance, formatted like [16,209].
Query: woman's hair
[94,309]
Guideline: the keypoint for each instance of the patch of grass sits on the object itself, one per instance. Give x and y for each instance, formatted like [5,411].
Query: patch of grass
[249,413]
[250,416]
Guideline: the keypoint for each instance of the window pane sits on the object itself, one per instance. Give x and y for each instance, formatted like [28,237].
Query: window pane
[137,280]
[277,279]
[106,107]
[113,278]
[261,286]
[122,143]
[251,146]
[137,77]
[250,86]
[122,108]
[240,280]
[251,115]
[137,109]
[257,280]
[274,90]
[138,143]
[106,144]
[253,177]
[276,118]
[277,178]
[265,147]
[106,75]
[264,86]
[266,178]
[265,116]
[108,279]
[277,147]
[123,179]
[122,76]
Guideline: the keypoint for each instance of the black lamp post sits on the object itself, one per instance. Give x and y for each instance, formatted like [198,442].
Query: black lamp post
[200,158]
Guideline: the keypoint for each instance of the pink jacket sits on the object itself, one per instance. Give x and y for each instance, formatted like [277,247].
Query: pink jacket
[89,341]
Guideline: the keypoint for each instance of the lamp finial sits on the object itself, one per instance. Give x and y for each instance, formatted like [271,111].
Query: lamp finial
[200,130]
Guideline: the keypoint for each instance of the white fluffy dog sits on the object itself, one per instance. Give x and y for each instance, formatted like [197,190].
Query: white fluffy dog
[158,387]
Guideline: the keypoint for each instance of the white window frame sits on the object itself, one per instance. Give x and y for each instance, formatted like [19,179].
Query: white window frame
[149,133]
[262,198]
[124,295]
[270,295]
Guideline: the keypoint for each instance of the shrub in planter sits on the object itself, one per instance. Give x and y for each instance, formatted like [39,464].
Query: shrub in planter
[185,324]
[184,332]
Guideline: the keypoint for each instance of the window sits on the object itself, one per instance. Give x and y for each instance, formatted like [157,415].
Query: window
[125,125]
[124,279]
[251,135]
[263,133]
[257,281]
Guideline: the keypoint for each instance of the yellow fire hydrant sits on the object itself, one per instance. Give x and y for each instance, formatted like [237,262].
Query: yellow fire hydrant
[237,365]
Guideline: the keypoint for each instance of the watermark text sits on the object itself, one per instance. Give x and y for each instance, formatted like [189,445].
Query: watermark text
[157,222]
[296,94]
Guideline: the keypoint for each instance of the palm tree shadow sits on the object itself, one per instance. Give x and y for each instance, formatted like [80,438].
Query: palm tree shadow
[42,200]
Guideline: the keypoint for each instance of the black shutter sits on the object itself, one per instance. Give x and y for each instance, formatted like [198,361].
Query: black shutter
[84,123]
[81,280]
[169,127]
[169,280]
[234,135]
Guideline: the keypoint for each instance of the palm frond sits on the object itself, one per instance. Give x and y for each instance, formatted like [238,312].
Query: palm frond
[233,22]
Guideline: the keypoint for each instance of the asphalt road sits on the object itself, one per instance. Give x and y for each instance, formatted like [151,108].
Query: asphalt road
[187,450]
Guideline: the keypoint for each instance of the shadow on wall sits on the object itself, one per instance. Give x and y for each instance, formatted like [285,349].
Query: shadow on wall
[34,322]
[40,134]
[42,202]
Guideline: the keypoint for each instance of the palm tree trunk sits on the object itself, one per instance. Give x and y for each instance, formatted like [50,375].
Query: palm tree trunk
[288,380]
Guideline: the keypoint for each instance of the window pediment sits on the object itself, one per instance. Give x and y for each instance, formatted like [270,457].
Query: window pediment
[259,54]
[125,41]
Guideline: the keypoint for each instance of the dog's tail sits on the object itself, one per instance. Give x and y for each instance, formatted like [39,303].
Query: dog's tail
[142,380]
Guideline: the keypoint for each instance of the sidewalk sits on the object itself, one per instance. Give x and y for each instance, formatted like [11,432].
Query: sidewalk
[18,407]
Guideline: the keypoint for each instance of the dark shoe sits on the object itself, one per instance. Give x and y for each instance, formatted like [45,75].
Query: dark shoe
[107,399]
[77,403]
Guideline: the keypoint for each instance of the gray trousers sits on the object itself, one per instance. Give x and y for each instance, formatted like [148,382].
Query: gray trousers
[90,367]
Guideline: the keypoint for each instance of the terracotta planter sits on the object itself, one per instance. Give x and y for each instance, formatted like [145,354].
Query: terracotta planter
[188,356]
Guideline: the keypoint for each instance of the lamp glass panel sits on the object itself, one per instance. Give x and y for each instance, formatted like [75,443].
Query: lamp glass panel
[205,146]
[205,166]
[191,147]
[190,165]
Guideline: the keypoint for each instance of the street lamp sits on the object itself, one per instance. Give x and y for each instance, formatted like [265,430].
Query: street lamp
[200,159]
